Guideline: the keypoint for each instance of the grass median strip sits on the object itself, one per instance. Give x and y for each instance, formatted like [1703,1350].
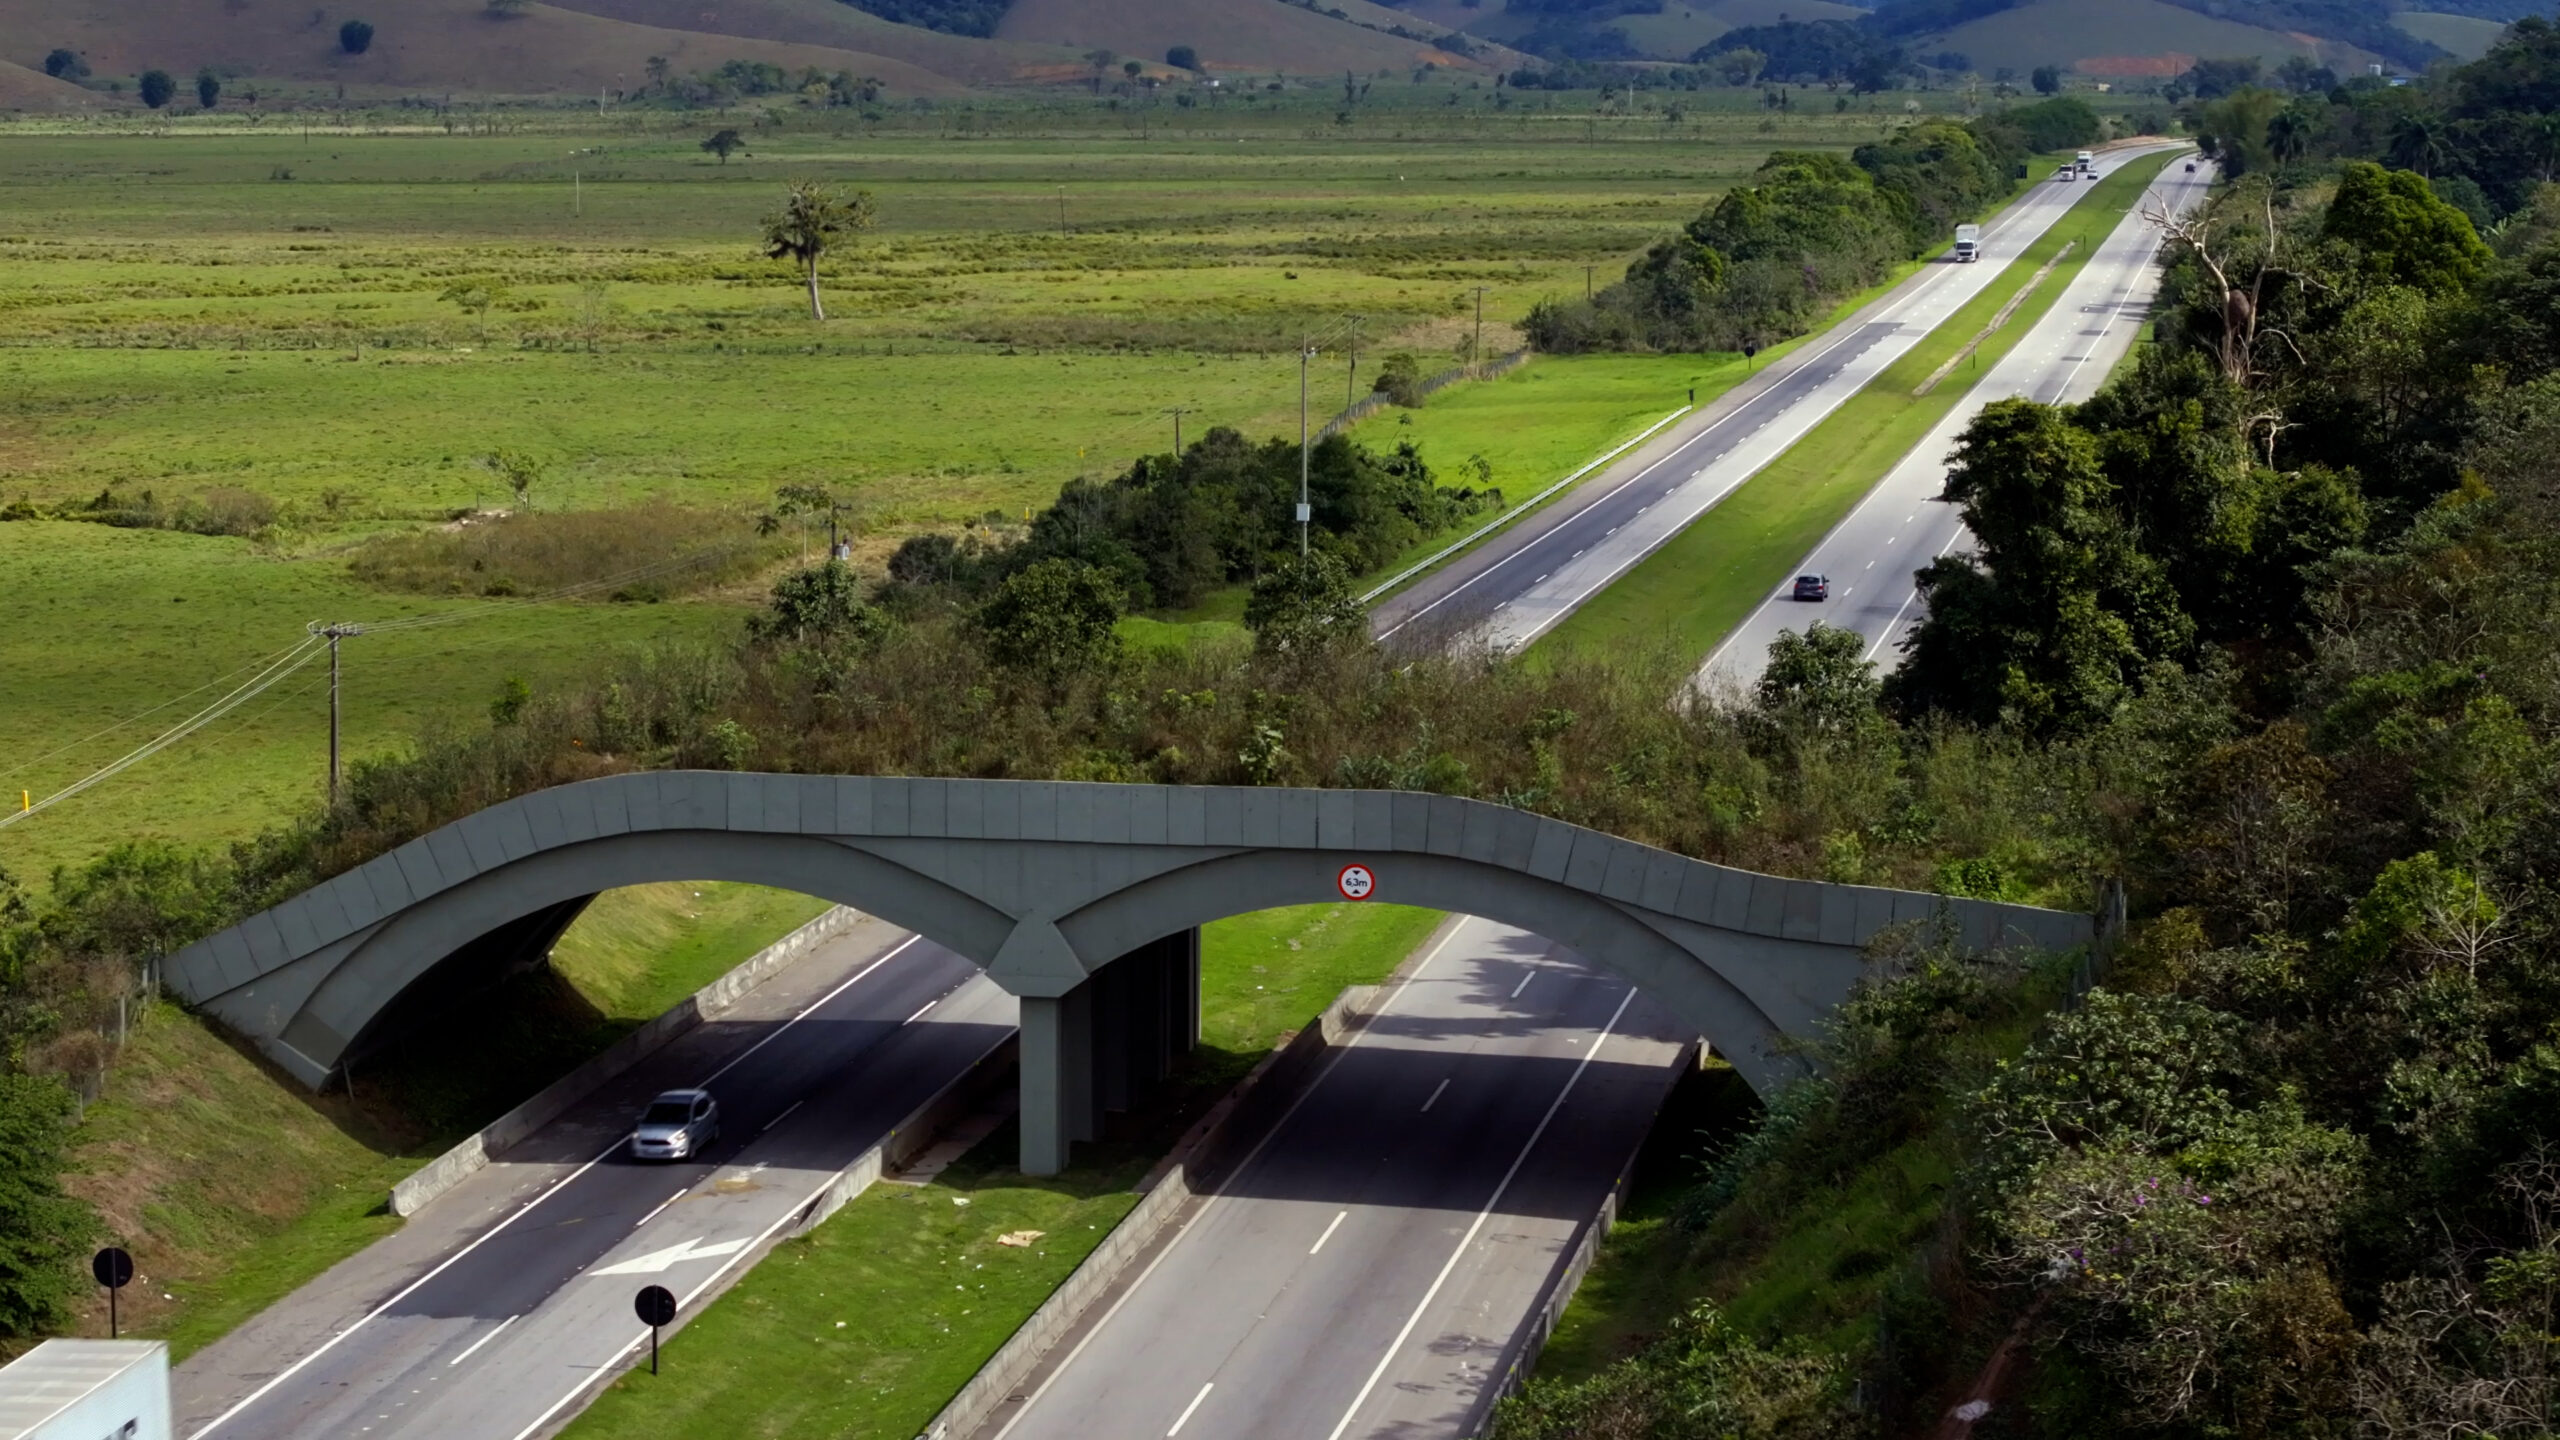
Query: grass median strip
[865,1327]
[1694,590]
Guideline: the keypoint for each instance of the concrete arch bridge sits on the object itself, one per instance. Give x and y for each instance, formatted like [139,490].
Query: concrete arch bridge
[1084,900]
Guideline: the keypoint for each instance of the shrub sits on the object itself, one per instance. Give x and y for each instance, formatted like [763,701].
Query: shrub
[1053,620]
[355,37]
[1182,57]
[157,88]
[644,551]
[208,88]
[66,65]
[47,1230]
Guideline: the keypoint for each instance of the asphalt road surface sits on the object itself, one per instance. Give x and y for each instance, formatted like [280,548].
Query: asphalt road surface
[529,1305]
[1367,1269]
[1523,582]
[1902,525]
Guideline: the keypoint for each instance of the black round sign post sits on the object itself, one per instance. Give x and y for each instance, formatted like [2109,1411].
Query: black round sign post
[657,1307]
[114,1269]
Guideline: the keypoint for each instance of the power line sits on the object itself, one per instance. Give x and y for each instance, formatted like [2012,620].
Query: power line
[139,716]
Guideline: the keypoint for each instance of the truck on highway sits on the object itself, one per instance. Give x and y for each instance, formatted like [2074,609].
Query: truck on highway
[2084,162]
[88,1390]
[1968,242]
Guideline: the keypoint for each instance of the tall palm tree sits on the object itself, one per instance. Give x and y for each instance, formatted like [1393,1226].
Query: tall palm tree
[2289,135]
[810,222]
[2418,143]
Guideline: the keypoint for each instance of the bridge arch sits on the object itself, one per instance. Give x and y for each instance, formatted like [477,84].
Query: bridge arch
[1046,884]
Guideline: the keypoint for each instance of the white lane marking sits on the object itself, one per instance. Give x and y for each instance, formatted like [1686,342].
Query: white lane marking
[1436,1092]
[1523,985]
[289,1371]
[1483,1215]
[1338,1218]
[1185,1417]
[685,1302]
[929,1004]
[786,1114]
[483,1340]
[1347,1046]
[658,1262]
[662,1205]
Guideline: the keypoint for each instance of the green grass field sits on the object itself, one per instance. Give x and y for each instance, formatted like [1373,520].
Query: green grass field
[176,316]
[864,1328]
[1694,590]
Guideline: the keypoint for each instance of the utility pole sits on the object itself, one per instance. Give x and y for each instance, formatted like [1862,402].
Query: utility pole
[334,634]
[1351,380]
[1177,412]
[1306,354]
[1476,350]
[1062,209]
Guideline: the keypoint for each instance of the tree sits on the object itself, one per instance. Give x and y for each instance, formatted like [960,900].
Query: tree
[1182,57]
[43,1231]
[157,88]
[1739,66]
[1053,619]
[811,221]
[66,65]
[355,37]
[2289,135]
[724,143]
[1820,680]
[208,88]
[1304,605]
[820,603]
[475,297]
[519,470]
[2406,234]
[1132,68]
[2047,79]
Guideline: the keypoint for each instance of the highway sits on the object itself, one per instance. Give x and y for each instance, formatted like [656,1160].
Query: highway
[1366,1269]
[503,1304]
[1522,582]
[1362,1273]
[1902,525]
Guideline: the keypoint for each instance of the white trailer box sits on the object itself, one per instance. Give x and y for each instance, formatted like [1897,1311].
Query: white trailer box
[87,1390]
[1968,242]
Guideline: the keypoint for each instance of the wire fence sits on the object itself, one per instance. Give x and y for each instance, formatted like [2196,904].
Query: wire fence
[1376,401]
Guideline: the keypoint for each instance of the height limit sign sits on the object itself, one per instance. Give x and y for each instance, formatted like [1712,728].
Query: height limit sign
[1356,883]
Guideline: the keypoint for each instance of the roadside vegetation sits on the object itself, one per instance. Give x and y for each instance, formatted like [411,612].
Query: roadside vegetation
[2289,1169]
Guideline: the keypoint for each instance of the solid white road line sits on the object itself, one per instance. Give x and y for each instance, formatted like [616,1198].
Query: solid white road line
[1481,1216]
[1185,1417]
[929,1004]
[1252,1155]
[662,1207]
[527,1208]
[1329,1229]
[1436,1092]
[483,1340]
[785,1115]
[1523,985]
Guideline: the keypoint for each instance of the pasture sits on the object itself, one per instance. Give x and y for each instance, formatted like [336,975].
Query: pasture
[346,322]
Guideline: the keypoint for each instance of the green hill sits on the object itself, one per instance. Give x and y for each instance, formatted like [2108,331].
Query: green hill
[2124,40]
[2466,37]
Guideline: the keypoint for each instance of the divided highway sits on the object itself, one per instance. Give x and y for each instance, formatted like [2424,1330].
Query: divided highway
[1366,1270]
[1522,583]
[499,1308]
[1902,525]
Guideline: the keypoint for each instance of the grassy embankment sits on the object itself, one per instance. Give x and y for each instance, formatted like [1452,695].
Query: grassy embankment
[1695,589]
[866,1327]
[232,1186]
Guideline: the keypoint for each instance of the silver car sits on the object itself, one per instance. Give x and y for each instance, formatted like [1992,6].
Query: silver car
[678,1125]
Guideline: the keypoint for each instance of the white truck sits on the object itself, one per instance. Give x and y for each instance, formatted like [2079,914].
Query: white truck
[2084,162]
[1968,242]
[87,1390]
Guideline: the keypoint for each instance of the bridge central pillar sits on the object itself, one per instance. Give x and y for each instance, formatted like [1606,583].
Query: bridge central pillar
[1096,1047]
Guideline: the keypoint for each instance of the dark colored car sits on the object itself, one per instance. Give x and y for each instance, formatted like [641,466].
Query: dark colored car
[1813,587]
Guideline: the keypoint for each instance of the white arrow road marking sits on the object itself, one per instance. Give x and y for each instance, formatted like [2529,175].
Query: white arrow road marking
[657,1261]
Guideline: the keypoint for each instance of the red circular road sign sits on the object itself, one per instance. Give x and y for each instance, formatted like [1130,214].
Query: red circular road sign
[1356,883]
